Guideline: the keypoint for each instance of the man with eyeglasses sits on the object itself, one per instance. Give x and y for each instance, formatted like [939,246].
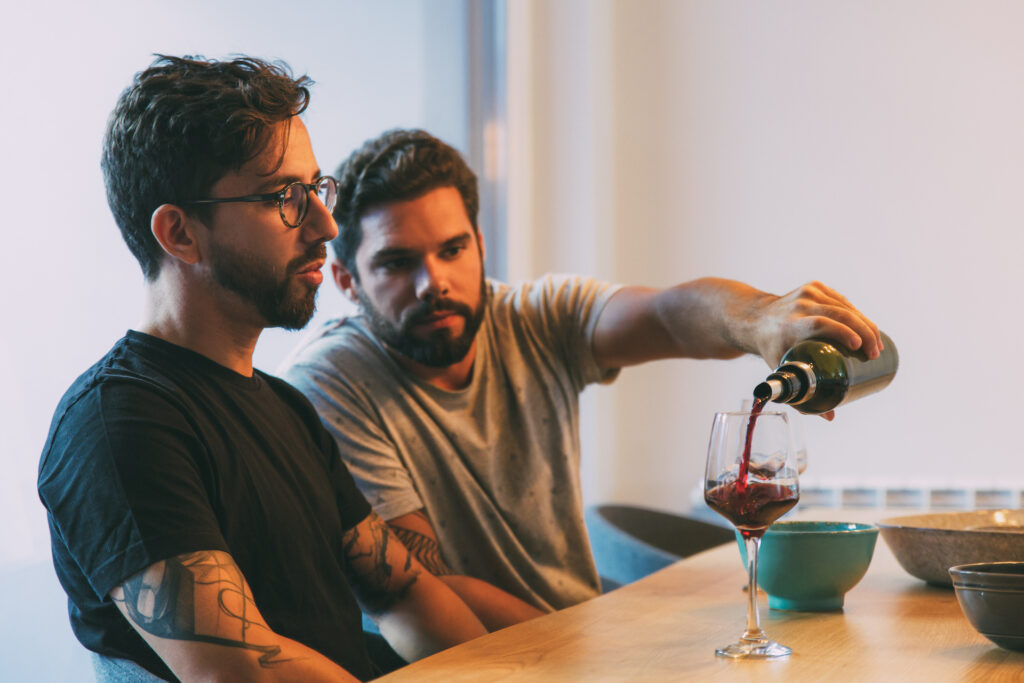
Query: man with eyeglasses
[202,522]
[454,398]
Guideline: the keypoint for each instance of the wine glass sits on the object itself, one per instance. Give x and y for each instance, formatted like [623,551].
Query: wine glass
[751,480]
[796,429]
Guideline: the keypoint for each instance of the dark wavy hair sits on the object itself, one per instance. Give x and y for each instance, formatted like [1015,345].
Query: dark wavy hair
[180,126]
[396,166]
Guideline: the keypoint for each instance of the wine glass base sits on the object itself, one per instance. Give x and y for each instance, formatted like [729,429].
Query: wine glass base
[754,649]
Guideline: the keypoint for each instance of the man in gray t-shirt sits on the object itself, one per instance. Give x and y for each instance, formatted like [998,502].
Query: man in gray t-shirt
[454,398]
[494,464]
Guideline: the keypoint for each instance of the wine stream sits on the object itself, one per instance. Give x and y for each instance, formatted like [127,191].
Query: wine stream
[741,482]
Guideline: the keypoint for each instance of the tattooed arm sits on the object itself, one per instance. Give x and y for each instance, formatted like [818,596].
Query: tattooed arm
[197,613]
[415,611]
[493,606]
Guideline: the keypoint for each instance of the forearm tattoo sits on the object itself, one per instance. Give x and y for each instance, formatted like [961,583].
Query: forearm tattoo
[373,578]
[425,549]
[162,601]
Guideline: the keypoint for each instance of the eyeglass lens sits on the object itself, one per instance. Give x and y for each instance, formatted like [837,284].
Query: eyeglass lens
[327,191]
[293,206]
[296,199]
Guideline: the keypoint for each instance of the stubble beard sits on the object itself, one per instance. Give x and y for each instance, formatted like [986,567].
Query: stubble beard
[280,299]
[440,349]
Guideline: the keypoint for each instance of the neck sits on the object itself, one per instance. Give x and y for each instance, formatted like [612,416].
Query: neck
[450,378]
[195,318]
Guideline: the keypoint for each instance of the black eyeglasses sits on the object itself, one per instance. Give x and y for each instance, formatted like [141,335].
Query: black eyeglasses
[292,201]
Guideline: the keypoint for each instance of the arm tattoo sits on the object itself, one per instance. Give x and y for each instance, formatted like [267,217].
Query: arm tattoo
[426,550]
[161,601]
[372,576]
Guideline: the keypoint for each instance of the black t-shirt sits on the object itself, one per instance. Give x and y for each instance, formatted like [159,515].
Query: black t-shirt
[157,451]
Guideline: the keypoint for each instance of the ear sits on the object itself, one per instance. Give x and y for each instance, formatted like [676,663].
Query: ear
[172,228]
[344,280]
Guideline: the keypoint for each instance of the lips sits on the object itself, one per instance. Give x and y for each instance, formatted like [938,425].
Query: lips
[432,315]
[440,315]
[310,273]
[436,320]
[310,267]
[312,260]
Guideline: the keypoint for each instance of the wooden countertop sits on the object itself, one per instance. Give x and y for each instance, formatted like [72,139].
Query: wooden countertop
[666,627]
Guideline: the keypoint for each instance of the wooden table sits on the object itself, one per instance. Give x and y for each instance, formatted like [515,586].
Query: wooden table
[666,626]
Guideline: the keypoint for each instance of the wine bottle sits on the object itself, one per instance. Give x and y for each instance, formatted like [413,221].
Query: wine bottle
[817,375]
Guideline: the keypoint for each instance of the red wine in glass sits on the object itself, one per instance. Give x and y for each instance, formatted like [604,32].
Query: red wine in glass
[753,507]
[751,480]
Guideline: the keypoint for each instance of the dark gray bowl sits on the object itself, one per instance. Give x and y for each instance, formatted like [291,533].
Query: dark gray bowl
[927,545]
[991,594]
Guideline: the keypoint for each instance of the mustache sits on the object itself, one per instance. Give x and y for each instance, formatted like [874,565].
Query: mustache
[429,307]
[317,252]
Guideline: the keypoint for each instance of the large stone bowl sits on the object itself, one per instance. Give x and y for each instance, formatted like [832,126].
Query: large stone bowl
[927,545]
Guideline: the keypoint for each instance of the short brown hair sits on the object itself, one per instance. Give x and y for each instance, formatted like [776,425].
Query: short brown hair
[397,165]
[180,126]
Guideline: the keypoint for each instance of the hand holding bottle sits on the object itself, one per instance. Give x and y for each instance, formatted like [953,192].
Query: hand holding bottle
[813,310]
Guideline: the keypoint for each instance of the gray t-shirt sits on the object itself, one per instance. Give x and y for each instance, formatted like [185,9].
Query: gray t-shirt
[496,466]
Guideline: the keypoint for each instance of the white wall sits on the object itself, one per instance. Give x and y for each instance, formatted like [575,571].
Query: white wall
[70,286]
[876,146]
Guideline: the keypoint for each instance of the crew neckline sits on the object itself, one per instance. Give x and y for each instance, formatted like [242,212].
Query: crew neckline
[183,355]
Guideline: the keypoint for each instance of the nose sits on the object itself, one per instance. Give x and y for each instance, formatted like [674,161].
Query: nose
[319,223]
[431,279]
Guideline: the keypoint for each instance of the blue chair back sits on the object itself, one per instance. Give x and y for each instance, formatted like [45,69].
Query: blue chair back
[630,542]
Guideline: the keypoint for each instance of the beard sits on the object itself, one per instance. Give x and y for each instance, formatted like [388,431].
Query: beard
[281,300]
[440,349]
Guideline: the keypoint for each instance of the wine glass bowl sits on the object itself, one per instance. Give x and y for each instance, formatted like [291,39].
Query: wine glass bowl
[751,480]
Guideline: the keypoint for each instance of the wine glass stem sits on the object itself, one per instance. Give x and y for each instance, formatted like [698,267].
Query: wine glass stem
[753,631]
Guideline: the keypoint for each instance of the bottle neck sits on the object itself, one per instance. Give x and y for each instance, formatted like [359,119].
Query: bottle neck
[791,383]
[770,389]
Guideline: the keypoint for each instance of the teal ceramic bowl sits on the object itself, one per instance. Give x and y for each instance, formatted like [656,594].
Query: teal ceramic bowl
[809,566]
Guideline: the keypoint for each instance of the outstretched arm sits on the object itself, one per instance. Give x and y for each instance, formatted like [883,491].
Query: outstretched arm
[197,613]
[493,606]
[415,611]
[715,318]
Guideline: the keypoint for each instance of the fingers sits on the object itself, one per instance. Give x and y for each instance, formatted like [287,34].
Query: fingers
[836,318]
[865,328]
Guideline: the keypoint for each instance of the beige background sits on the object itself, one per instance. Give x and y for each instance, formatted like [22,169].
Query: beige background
[875,145]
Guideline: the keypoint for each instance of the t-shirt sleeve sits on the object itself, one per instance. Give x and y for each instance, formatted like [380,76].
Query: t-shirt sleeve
[564,310]
[354,421]
[123,485]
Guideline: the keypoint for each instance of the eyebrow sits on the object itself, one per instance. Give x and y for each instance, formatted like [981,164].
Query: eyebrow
[279,182]
[391,252]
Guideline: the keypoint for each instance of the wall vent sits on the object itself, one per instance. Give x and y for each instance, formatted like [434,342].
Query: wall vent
[899,497]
